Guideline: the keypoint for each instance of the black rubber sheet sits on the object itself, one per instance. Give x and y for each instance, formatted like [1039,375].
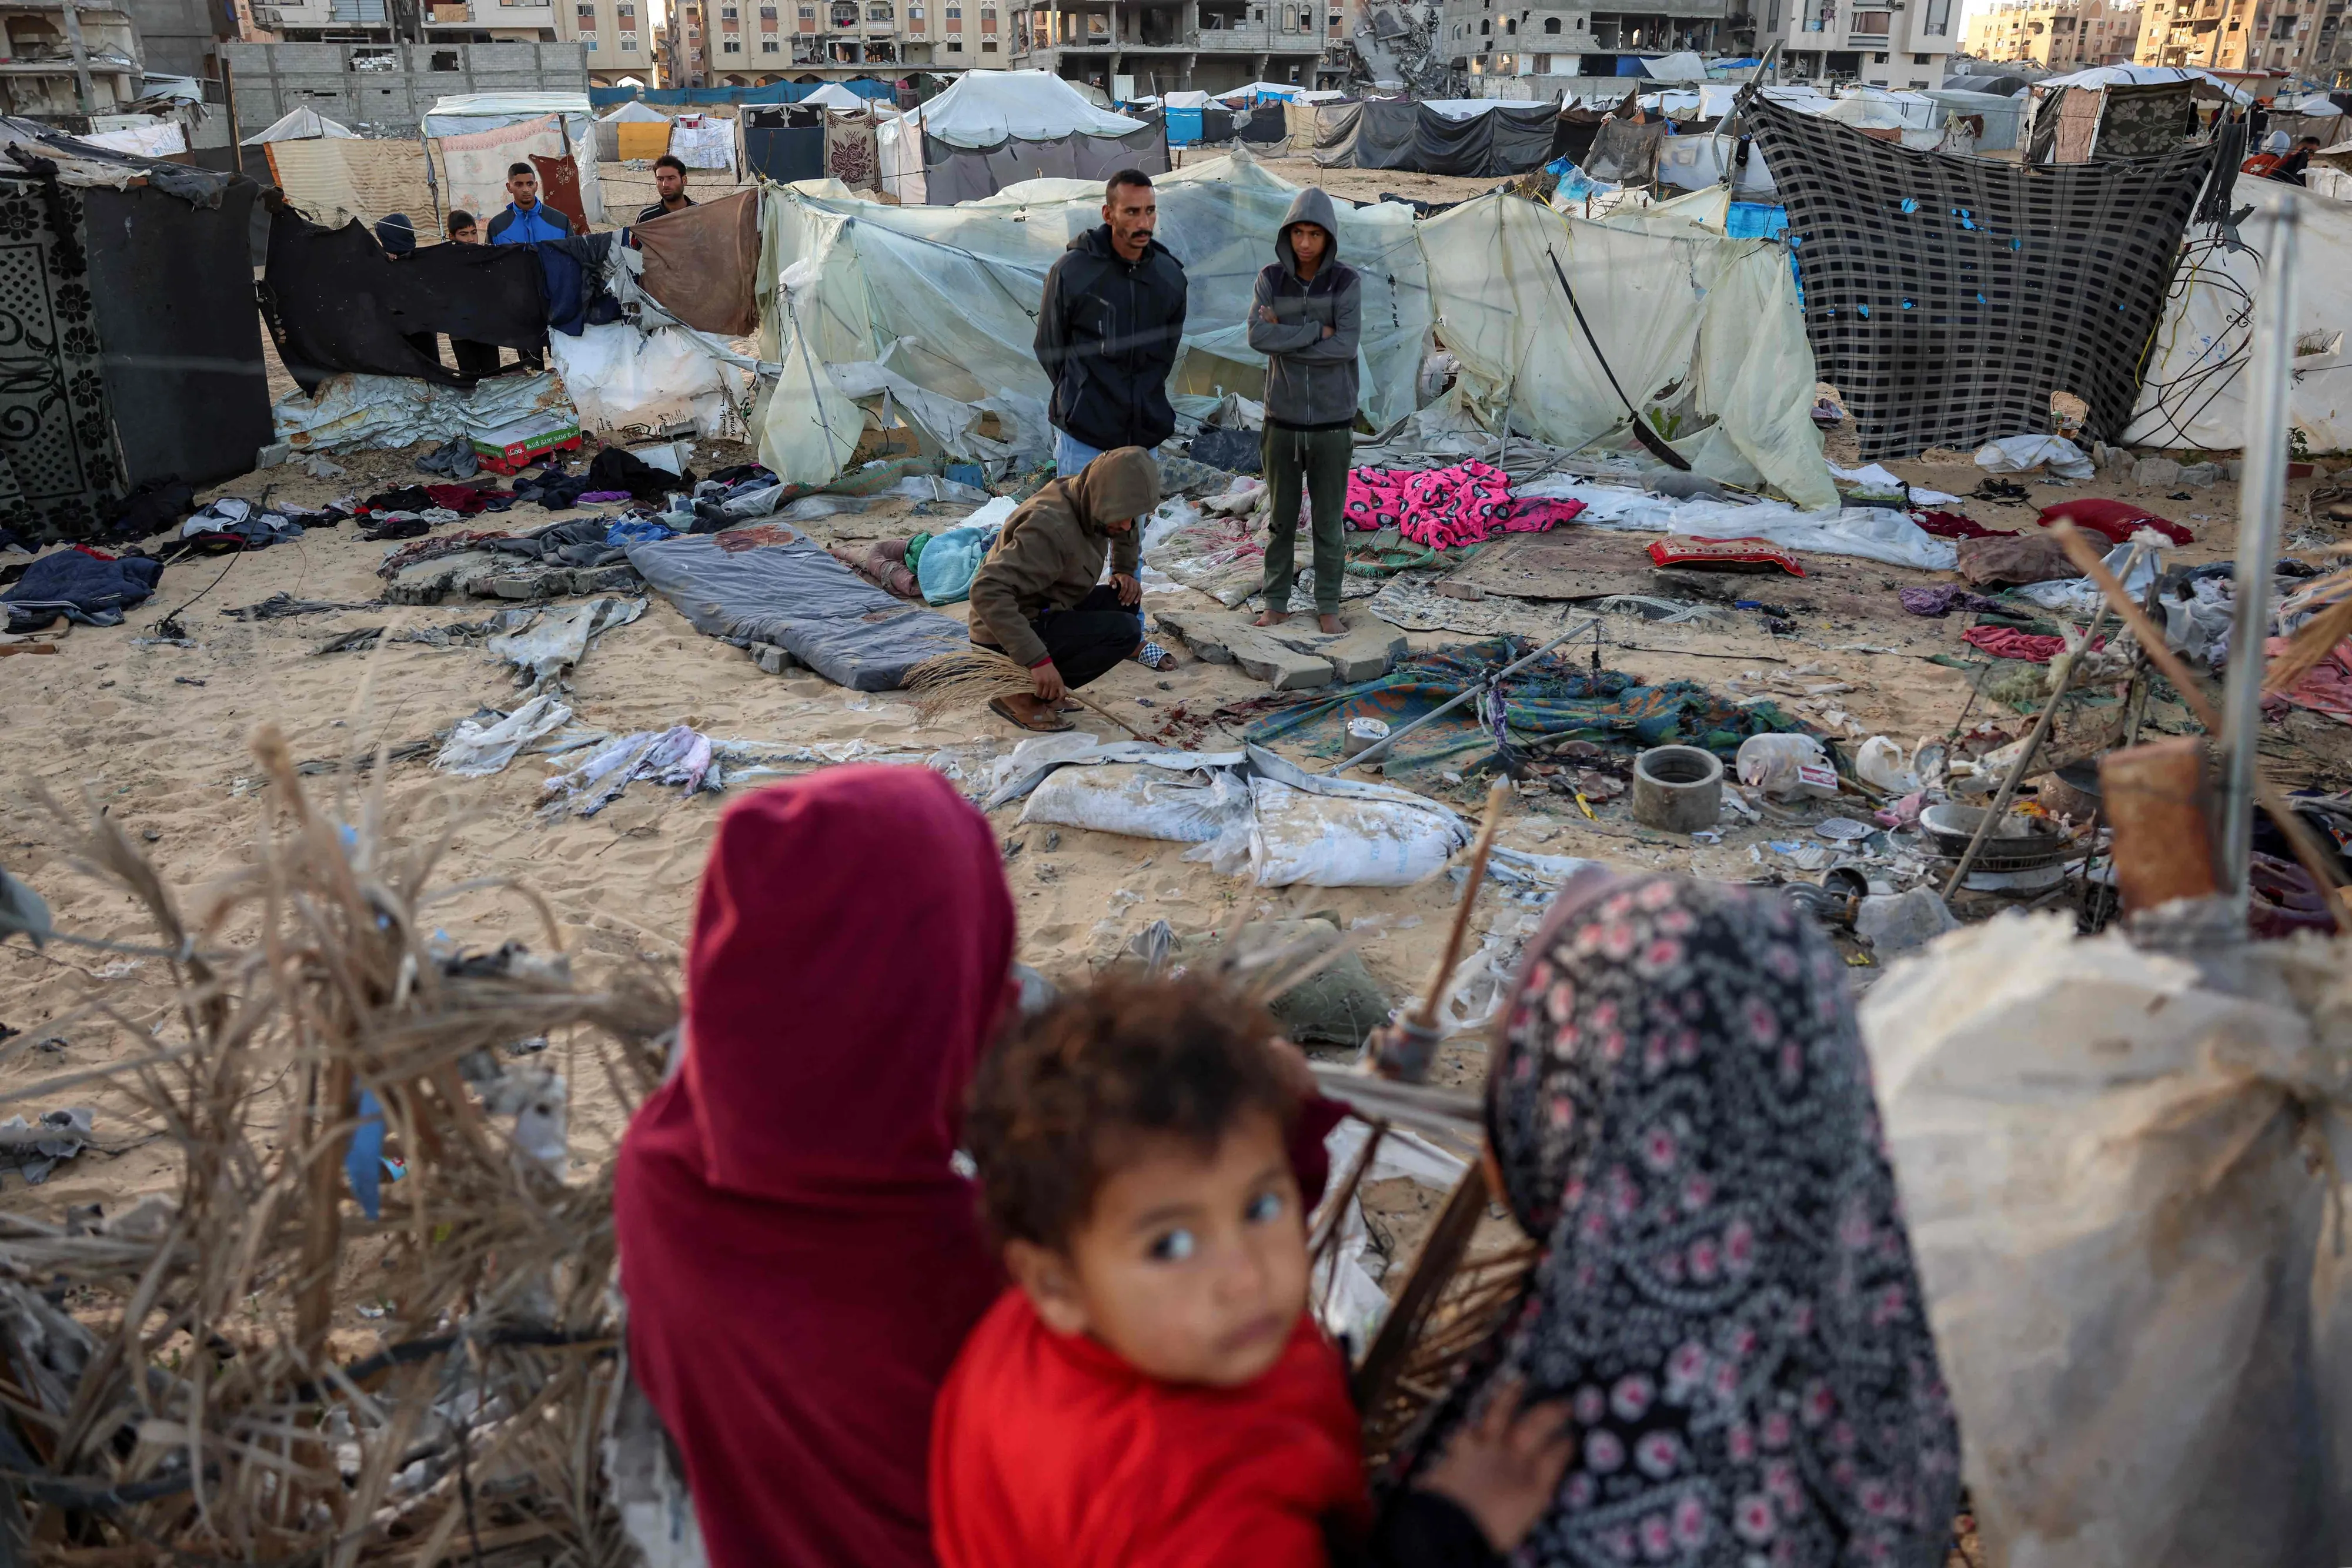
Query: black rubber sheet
[180,343]
[1388,135]
[769,582]
[953,173]
[336,302]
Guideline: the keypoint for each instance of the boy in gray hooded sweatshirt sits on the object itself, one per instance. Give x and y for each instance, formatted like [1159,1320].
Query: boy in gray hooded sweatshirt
[1307,320]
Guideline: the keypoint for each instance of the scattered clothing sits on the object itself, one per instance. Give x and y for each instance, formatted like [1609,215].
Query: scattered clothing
[1050,554]
[232,523]
[1957,526]
[1724,555]
[455,458]
[679,754]
[617,468]
[393,526]
[2326,687]
[432,549]
[1109,331]
[2007,643]
[1468,503]
[2015,558]
[883,563]
[278,606]
[150,508]
[818,1146]
[1726,1295]
[82,585]
[2114,521]
[1943,598]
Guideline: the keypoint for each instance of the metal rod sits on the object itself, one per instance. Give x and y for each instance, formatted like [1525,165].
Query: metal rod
[1999,806]
[2262,497]
[1375,751]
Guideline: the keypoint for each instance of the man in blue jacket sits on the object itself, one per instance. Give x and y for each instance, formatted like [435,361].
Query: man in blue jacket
[1109,330]
[1307,319]
[526,217]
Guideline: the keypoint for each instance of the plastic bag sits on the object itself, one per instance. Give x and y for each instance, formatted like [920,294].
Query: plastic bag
[1879,763]
[1787,766]
[2122,1186]
[1341,840]
[2017,453]
[475,750]
[1142,802]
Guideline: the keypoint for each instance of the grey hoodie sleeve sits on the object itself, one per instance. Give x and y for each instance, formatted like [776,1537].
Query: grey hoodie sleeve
[1272,337]
[1347,324]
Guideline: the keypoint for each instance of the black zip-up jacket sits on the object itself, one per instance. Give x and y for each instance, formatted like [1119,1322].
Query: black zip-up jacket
[1108,336]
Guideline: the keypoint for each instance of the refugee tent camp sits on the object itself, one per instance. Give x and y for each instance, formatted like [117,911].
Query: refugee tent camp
[994,128]
[475,136]
[1474,136]
[335,175]
[629,132]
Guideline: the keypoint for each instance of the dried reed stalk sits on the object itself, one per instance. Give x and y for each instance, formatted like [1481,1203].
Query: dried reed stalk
[2312,641]
[955,681]
[195,1404]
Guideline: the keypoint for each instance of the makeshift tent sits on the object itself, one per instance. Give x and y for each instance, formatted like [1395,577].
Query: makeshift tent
[2075,123]
[1701,329]
[1996,85]
[298,125]
[1701,162]
[477,135]
[2206,83]
[951,294]
[783,141]
[833,95]
[994,128]
[1256,93]
[615,143]
[703,141]
[1946,299]
[1675,67]
[2001,117]
[1482,138]
[135,354]
[2195,395]
[334,179]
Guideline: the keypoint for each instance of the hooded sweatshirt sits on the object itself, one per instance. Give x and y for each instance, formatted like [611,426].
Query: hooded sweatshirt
[1311,380]
[1050,555]
[1109,331]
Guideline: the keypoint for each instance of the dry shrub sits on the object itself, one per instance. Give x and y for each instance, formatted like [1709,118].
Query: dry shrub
[189,1406]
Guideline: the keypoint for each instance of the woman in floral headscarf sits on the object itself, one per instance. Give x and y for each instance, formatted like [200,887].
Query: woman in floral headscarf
[1681,1110]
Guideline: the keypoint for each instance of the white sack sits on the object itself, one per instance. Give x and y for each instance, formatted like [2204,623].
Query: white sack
[2022,454]
[1191,805]
[1323,841]
[2119,1186]
[620,377]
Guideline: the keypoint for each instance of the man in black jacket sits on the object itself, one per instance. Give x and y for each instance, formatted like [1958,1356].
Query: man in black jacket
[1110,327]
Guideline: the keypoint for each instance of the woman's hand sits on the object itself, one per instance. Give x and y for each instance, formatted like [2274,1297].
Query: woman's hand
[1503,1469]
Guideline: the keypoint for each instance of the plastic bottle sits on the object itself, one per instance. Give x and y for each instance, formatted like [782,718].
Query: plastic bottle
[1786,767]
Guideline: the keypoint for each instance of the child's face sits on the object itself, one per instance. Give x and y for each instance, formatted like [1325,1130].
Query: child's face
[1190,1269]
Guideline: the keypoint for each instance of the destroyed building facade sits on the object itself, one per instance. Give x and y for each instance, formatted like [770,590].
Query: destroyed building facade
[1896,44]
[2305,37]
[384,89]
[1496,38]
[66,60]
[1135,49]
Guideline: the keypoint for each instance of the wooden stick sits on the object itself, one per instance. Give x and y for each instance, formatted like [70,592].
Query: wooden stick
[1432,1268]
[2150,638]
[1435,995]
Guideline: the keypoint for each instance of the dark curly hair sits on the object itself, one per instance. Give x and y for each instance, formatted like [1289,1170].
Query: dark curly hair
[1056,1108]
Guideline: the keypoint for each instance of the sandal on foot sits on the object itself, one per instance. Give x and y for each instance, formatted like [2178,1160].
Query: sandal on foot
[1045,724]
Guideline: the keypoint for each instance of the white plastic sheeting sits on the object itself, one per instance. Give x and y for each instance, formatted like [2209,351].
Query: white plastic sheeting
[352,412]
[984,107]
[2143,76]
[2125,1189]
[1869,533]
[620,377]
[1709,323]
[833,95]
[2195,393]
[946,297]
[300,125]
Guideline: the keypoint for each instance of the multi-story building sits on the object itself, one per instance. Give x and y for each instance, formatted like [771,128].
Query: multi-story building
[1503,37]
[2064,35]
[1135,49]
[682,64]
[1896,44]
[66,61]
[616,36]
[2306,38]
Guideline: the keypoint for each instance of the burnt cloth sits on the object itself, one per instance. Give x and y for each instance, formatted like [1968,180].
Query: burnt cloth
[336,302]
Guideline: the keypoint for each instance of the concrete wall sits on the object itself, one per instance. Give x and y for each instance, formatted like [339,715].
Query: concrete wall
[272,79]
[179,35]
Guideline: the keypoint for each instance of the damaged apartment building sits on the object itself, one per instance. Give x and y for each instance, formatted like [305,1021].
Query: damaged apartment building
[67,62]
[1136,48]
[1498,37]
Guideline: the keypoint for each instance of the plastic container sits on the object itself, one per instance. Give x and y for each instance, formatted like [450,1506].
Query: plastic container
[1787,766]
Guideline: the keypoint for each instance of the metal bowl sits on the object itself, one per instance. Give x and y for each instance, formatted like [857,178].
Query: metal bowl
[2017,843]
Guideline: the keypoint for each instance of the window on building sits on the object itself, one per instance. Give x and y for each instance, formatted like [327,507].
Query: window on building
[1772,21]
[588,42]
[955,45]
[770,47]
[727,13]
[808,12]
[628,43]
[732,46]
[1484,28]
[445,60]
[1936,18]
[1335,21]
[914,14]
[1551,24]
[880,13]
[1878,59]
[988,46]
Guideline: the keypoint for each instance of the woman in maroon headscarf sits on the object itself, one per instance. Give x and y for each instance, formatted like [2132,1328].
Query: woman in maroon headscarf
[801,1263]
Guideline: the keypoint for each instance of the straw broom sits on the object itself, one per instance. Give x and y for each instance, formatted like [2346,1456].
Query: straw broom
[968,679]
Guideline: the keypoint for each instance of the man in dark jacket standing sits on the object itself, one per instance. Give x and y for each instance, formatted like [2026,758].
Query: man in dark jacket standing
[1308,320]
[1109,330]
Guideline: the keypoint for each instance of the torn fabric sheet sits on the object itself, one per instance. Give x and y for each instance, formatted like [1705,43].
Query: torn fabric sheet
[1870,534]
[677,755]
[354,411]
[551,647]
[475,750]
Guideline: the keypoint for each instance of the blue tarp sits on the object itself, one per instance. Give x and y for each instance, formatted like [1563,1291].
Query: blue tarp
[1755,220]
[774,92]
[1183,127]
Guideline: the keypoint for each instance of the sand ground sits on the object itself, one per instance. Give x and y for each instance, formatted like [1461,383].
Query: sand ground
[157,734]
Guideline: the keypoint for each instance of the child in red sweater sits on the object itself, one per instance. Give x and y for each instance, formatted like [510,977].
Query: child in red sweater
[1152,1392]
